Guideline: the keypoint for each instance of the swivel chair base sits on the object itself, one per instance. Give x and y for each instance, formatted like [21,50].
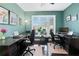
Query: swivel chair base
[28,51]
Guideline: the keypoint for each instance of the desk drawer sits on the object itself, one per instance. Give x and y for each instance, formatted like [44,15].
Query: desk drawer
[75,43]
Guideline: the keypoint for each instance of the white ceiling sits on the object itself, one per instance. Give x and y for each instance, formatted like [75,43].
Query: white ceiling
[43,6]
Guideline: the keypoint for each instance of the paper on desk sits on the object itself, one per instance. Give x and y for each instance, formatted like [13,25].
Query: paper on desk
[70,33]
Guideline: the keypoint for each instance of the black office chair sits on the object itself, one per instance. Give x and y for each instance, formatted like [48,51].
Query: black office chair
[31,39]
[55,39]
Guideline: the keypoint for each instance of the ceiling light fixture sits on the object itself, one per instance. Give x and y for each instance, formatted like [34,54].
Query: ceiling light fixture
[52,3]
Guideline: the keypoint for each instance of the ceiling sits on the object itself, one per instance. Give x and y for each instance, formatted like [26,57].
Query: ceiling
[43,6]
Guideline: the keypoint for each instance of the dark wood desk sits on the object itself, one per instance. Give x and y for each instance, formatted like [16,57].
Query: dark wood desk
[11,46]
[71,44]
[74,46]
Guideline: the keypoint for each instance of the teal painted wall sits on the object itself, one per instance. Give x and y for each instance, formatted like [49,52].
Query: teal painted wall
[59,17]
[73,9]
[11,28]
[27,16]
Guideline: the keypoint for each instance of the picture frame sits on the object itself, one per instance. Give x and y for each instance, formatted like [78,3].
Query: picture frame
[74,17]
[20,21]
[4,15]
[68,18]
[13,18]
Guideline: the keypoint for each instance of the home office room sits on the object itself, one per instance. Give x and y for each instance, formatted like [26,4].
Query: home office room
[39,29]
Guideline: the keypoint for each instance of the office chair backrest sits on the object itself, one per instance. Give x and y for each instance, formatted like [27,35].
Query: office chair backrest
[61,42]
[52,34]
[32,36]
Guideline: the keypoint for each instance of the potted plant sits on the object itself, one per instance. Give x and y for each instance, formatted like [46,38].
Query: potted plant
[3,32]
[42,31]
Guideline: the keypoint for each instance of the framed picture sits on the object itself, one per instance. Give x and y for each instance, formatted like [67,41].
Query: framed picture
[13,18]
[20,21]
[74,18]
[4,15]
[68,18]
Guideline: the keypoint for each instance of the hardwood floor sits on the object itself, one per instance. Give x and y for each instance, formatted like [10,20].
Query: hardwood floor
[40,51]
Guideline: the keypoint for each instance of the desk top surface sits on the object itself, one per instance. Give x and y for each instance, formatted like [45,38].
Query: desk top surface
[10,40]
[69,36]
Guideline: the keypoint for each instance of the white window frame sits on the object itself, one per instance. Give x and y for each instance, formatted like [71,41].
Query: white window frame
[54,16]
